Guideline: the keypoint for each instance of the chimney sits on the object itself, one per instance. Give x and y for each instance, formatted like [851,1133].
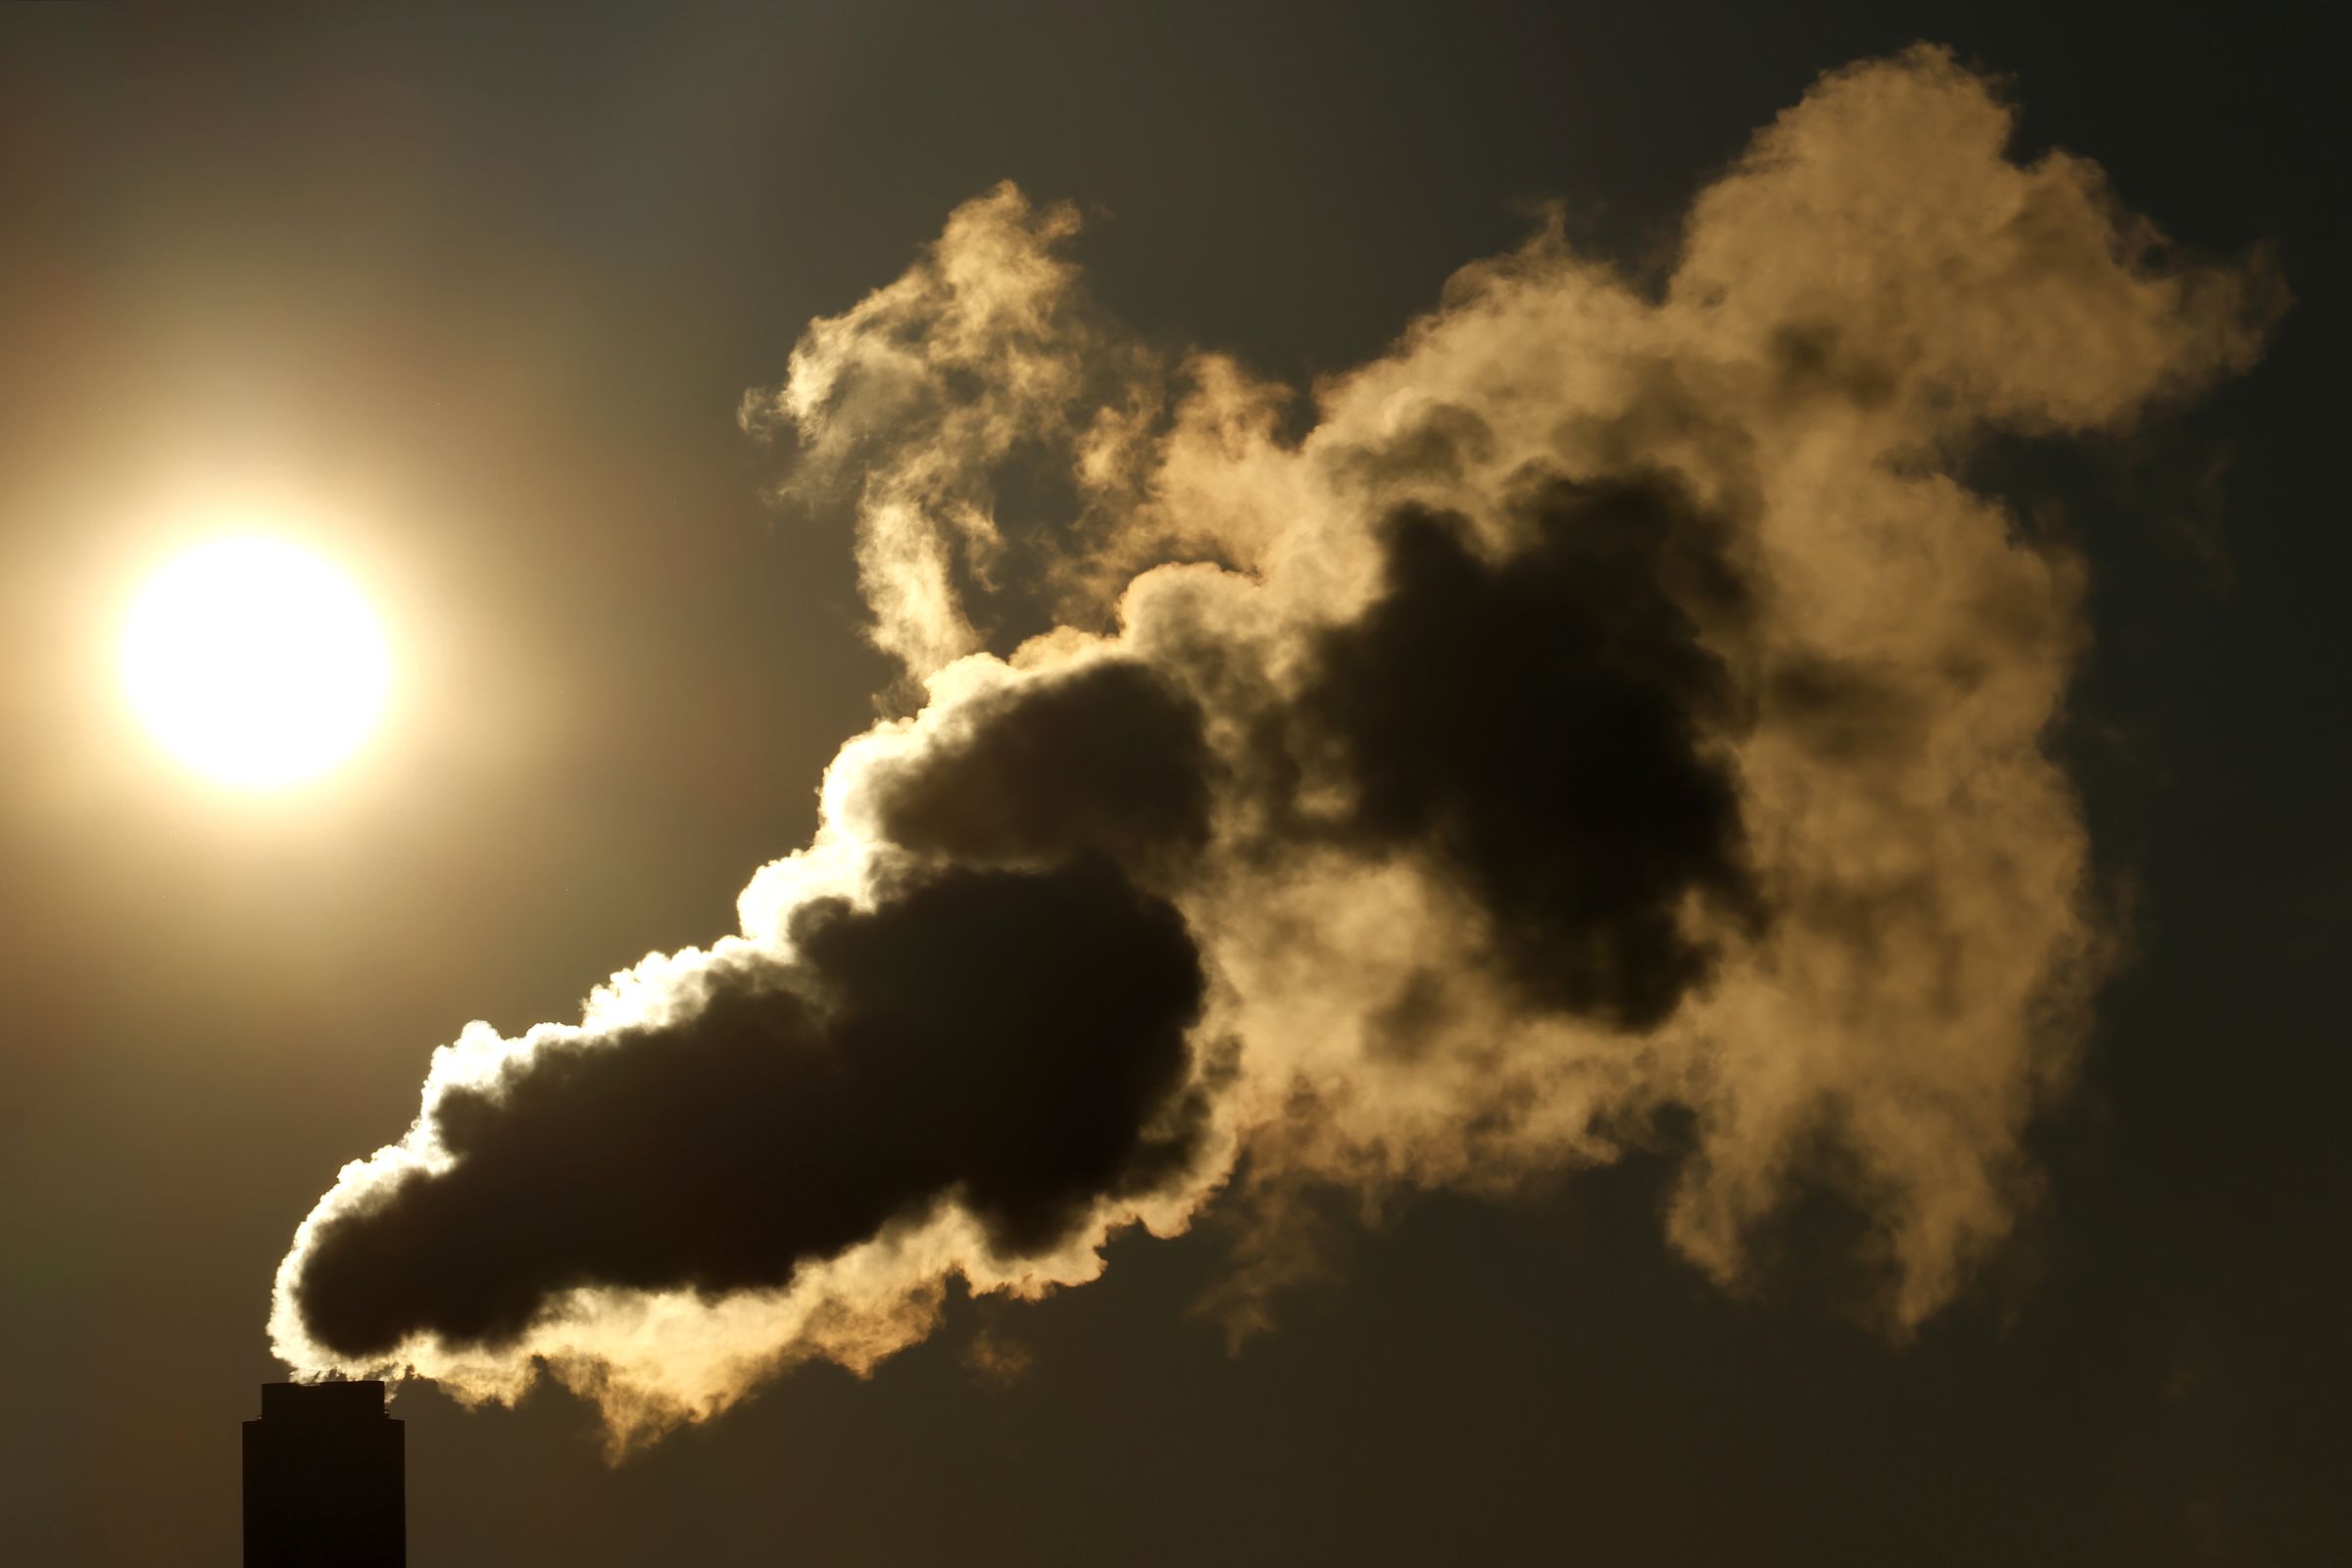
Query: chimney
[325,1478]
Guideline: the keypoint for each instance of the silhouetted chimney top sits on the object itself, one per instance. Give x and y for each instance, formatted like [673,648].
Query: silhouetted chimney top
[322,1404]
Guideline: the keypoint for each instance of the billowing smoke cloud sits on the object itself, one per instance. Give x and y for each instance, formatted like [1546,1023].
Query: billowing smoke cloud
[1011,1042]
[1544,730]
[1613,706]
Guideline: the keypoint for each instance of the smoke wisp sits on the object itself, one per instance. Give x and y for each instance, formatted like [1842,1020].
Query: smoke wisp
[1614,704]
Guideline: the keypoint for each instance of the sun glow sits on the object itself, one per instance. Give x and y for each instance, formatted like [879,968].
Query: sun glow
[253,662]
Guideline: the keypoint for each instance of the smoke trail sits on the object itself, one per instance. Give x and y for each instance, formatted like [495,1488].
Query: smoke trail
[1615,704]
[1030,1069]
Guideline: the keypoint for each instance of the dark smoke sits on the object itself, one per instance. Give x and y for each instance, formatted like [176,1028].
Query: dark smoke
[1549,725]
[1109,759]
[1013,1042]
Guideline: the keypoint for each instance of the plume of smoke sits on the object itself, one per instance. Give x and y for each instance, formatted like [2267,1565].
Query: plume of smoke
[1615,704]
[909,402]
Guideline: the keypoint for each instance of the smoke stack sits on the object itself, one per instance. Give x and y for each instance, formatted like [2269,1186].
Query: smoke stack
[325,1478]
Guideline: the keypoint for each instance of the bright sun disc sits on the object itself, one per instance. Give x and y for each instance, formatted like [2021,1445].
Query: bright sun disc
[254,661]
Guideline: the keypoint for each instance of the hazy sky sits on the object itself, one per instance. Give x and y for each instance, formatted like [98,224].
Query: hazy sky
[483,296]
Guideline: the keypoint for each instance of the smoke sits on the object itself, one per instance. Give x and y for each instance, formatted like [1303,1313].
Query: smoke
[1541,729]
[1013,1042]
[1614,707]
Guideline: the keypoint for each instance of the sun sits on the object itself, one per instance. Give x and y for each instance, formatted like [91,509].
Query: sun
[254,661]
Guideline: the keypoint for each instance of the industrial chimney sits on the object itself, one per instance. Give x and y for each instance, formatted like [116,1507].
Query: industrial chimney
[325,1478]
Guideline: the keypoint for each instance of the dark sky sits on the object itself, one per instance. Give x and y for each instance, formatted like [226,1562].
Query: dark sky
[483,291]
